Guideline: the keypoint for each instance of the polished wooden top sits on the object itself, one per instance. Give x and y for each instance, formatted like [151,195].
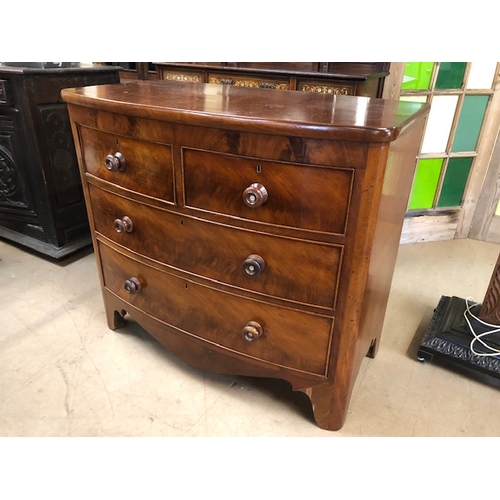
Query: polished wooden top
[258,110]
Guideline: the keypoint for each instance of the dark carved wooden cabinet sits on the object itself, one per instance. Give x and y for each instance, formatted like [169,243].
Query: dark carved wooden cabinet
[250,231]
[344,78]
[41,200]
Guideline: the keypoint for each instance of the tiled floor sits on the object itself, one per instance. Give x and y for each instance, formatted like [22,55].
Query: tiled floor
[64,373]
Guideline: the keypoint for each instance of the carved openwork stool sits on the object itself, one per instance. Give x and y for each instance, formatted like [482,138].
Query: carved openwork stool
[450,333]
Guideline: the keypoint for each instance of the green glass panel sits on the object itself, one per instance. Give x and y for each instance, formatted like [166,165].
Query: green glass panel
[454,182]
[450,75]
[425,183]
[469,123]
[417,75]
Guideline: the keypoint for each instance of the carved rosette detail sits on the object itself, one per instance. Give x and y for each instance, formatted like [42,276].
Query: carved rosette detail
[9,182]
[248,83]
[181,77]
[326,89]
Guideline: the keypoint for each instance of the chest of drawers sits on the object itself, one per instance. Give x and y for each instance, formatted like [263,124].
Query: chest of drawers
[249,231]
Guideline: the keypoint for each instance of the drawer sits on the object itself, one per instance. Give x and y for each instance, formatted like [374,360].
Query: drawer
[148,165]
[5,94]
[181,75]
[322,87]
[286,268]
[288,338]
[255,81]
[285,194]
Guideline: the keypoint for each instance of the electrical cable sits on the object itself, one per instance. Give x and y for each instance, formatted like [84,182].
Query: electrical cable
[479,337]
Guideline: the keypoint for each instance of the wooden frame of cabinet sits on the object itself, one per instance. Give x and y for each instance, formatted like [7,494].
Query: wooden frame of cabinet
[344,78]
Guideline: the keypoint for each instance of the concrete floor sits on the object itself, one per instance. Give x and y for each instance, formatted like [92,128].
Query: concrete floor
[64,373]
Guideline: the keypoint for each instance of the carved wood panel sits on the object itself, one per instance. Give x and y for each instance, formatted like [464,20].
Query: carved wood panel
[490,309]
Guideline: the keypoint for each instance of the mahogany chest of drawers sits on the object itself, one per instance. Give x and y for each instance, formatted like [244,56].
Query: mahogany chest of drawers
[251,232]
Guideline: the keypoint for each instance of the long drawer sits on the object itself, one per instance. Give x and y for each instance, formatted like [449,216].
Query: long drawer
[327,87]
[296,270]
[281,336]
[256,81]
[286,194]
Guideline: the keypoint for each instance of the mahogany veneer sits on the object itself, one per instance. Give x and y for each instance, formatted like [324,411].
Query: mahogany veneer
[250,231]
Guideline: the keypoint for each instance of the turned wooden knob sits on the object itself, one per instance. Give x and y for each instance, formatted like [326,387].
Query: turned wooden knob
[255,195]
[124,225]
[252,331]
[132,285]
[115,163]
[254,264]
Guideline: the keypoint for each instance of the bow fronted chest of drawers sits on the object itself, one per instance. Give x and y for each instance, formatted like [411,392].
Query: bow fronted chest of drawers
[251,232]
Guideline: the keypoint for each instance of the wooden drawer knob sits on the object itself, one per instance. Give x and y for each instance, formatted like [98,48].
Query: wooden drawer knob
[252,331]
[254,264]
[123,225]
[115,163]
[255,195]
[132,285]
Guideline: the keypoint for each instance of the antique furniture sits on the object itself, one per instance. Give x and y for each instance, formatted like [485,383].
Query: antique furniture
[365,79]
[465,335]
[41,200]
[250,231]
[135,70]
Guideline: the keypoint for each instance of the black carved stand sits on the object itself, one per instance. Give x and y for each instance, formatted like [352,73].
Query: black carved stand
[448,338]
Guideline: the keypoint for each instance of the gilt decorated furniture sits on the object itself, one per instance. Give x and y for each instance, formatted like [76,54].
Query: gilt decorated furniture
[344,78]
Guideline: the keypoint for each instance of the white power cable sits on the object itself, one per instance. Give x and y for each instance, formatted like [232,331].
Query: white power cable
[479,337]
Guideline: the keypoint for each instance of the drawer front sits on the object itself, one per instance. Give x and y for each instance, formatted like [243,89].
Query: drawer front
[288,338]
[5,95]
[148,167]
[176,75]
[261,82]
[296,270]
[307,197]
[321,87]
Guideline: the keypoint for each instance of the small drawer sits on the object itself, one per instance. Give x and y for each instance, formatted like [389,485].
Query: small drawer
[280,336]
[261,82]
[5,94]
[144,167]
[294,270]
[322,87]
[286,194]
